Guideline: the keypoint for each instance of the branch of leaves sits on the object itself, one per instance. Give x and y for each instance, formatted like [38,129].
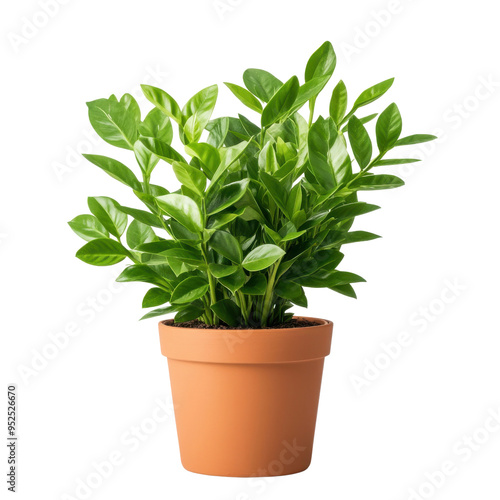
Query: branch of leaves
[283,99]
[388,131]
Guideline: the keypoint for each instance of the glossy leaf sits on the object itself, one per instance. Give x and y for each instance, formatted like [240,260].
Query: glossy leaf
[197,112]
[321,63]
[256,285]
[281,103]
[116,170]
[162,150]
[227,245]
[155,297]
[338,102]
[102,252]
[190,176]
[139,233]
[113,122]
[142,273]
[360,142]
[291,291]
[415,139]
[188,313]
[109,215]
[163,101]
[262,257]
[88,227]
[183,209]
[227,311]
[246,97]
[389,126]
[221,270]
[374,182]
[322,136]
[188,290]
[157,125]
[160,312]
[226,196]
[261,83]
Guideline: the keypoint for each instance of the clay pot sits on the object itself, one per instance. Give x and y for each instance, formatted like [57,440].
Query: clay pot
[246,400]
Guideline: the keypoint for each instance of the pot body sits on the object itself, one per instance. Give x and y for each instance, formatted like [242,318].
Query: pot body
[246,400]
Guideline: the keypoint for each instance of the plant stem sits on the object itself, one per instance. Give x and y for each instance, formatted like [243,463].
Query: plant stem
[268,297]
[240,298]
[312,104]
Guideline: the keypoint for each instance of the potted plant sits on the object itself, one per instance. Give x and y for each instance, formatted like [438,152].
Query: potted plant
[261,213]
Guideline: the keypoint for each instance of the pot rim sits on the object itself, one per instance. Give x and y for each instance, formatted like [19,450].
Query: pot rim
[247,346]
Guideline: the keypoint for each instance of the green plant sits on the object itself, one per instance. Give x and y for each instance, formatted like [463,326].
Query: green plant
[262,211]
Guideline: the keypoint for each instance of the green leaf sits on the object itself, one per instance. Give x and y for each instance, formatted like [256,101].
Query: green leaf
[88,227]
[262,257]
[190,177]
[395,161]
[389,126]
[155,297]
[142,216]
[102,252]
[207,154]
[291,291]
[346,290]
[261,83]
[142,273]
[219,221]
[415,139]
[188,290]
[162,149]
[375,182]
[350,210]
[160,312]
[163,102]
[227,311]
[372,94]
[221,270]
[145,158]
[188,313]
[246,97]
[115,169]
[183,209]
[109,215]
[139,233]
[227,245]
[321,139]
[293,236]
[360,142]
[321,63]
[338,102]
[113,123]
[276,191]
[226,196]
[130,104]
[158,126]
[235,280]
[359,236]
[218,129]
[256,285]
[281,103]
[197,112]
[183,254]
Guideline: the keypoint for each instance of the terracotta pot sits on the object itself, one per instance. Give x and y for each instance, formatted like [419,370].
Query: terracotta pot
[246,400]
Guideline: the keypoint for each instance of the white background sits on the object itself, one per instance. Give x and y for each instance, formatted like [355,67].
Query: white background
[377,438]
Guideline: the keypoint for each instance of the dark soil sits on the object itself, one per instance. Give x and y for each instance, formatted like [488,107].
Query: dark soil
[195,323]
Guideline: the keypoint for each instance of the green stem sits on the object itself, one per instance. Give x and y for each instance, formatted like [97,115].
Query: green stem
[268,296]
[312,104]
[240,298]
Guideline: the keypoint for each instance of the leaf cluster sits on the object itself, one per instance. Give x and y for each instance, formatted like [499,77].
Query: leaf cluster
[264,206]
